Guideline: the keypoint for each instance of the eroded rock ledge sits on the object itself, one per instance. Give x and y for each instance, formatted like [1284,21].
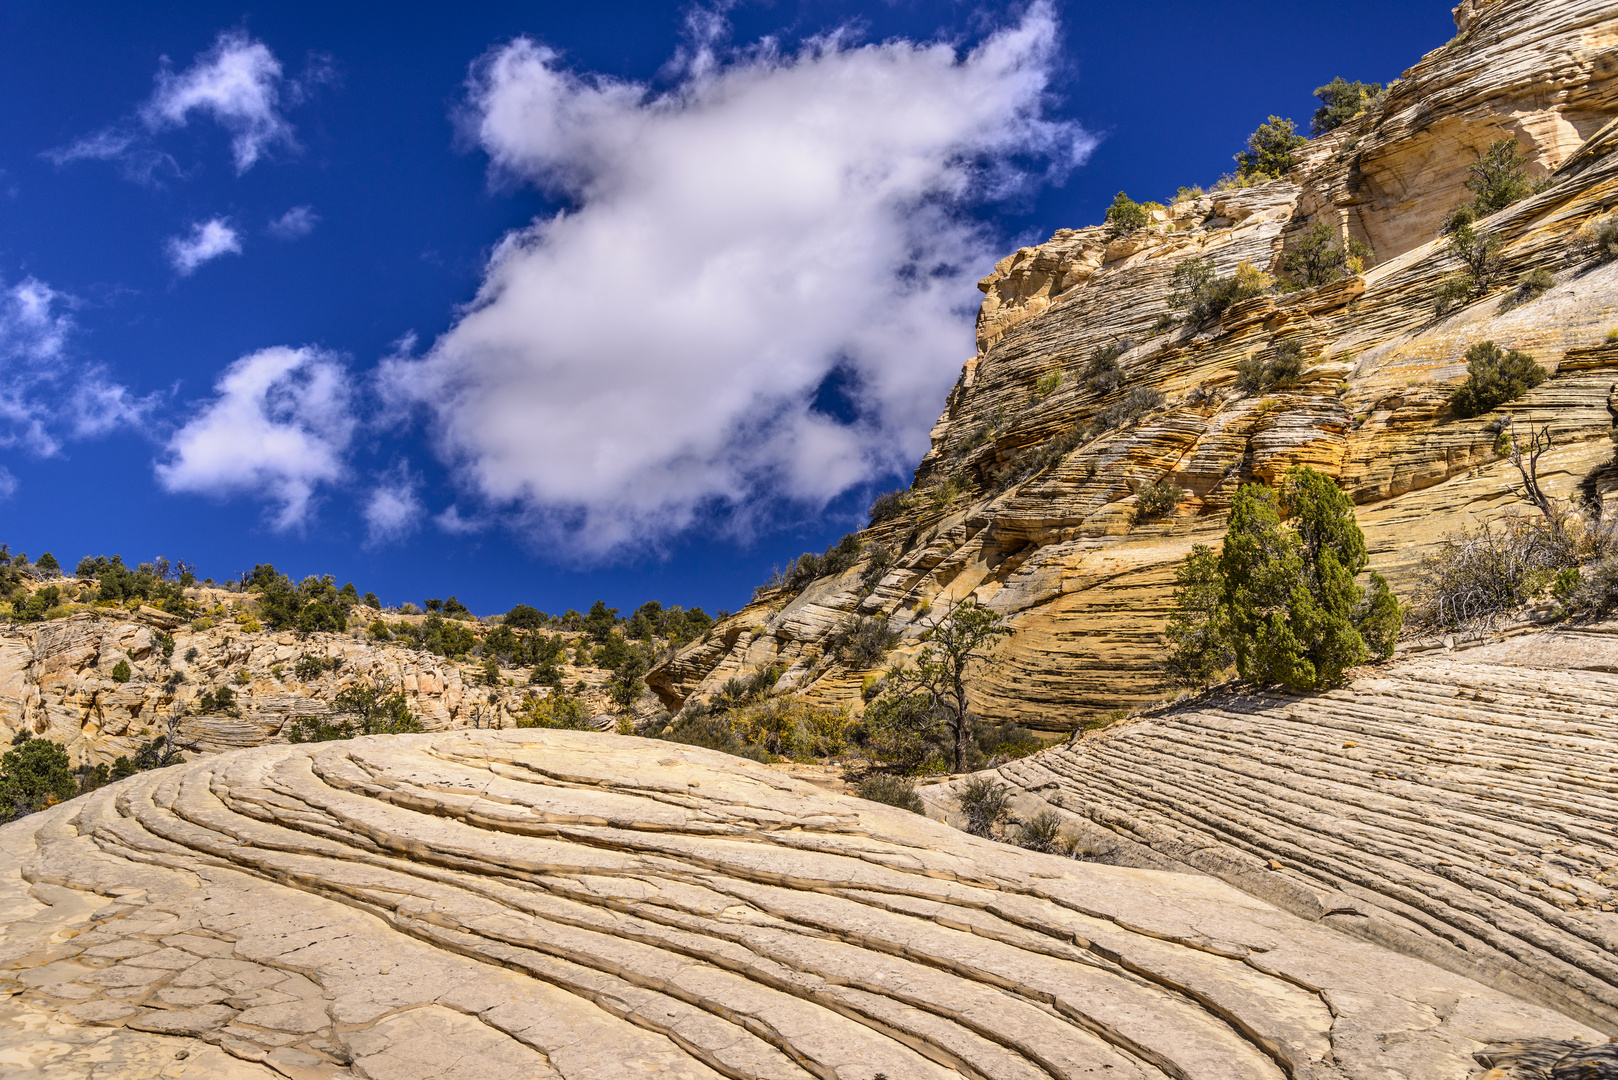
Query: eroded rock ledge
[552,904]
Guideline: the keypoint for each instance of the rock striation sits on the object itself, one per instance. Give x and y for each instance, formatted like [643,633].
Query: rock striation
[1024,503]
[491,905]
[1459,808]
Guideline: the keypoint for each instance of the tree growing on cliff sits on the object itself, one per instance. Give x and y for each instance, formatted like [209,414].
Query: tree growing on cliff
[934,688]
[1340,102]
[1319,256]
[1125,216]
[1288,607]
[1269,150]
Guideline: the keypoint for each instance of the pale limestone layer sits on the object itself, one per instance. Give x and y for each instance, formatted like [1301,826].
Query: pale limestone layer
[1458,807]
[1084,589]
[498,905]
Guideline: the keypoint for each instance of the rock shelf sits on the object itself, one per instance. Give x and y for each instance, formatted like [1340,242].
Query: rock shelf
[1457,808]
[556,904]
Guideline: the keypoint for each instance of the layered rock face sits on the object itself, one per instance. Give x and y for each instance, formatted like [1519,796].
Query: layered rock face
[485,905]
[56,682]
[1052,542]
[1460,808]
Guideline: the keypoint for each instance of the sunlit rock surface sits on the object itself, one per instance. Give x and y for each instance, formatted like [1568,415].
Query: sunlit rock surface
[1458,807]
[1086,589]
[492,905]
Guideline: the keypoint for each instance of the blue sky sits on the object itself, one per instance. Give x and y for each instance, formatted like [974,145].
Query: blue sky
[549,302]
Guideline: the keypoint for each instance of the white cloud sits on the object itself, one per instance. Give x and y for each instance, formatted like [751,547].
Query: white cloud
[47,396]
[394,510]
[208,240]
[8,484]
[237,82]
[455,523]
[299,221]
[278,426]
[654,352]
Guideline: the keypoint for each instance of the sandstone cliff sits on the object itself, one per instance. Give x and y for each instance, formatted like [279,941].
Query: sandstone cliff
[1085,589]
[56,681]
[493,905]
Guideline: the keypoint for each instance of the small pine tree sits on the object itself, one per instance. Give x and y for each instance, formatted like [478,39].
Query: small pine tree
[1340,102]
[34,774]
[47,563]
[1125,216]
[1499,178]
[121,672]
[1269,149]
[1288,607]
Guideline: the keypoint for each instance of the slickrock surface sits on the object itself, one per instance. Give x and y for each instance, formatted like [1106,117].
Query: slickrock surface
[551,904]
[1458,808]
[1057,551]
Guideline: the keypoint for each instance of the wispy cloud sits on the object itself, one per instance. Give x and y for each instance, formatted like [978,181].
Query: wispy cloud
[207,240]
[238,83]
[48,396]
[278,427]
[296,222]
[770,223]
[394,510]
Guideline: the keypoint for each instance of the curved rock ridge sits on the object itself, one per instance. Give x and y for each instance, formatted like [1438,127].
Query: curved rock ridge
[553,904]
[1458,808]
[1046,531]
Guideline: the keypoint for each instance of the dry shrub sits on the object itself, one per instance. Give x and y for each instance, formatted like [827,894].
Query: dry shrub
[790,727]
[1477,575]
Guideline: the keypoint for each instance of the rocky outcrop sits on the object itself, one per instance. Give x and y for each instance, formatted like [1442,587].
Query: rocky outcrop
[1048,536]
[1459,807]
[491,905]
[56,681]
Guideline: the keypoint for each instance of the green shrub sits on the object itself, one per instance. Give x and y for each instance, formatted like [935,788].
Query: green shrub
[47,563]
[1597,239]
[1204,295]
[1043,832]
[697,725]
[1156,500]
[1280,367]
[1499,178]
[1288,607]
[862,642]
[1048,384]
[376,709]
[558,709]
[1269,149]
[889,504]
[310,666]
[1187,194]
[1494,376]
[1340,102]
[985,802]
[1318,256]
[121,672]
[1533,284]
[34,774]
[1454,290]
[1136,404]
[893,790]
[1125,216]
[1102,372]
[1199,624]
